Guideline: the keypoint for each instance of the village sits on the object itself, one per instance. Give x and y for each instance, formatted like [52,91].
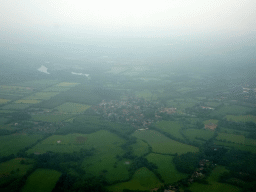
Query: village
[138,112]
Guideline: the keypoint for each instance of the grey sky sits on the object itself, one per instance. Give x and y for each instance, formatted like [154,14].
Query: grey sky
[116,16]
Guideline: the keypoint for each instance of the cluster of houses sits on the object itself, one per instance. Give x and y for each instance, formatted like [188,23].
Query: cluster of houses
[134,111]
[210,126]
[40,127]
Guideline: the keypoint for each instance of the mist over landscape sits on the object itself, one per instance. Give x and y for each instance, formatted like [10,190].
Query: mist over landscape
[127,96]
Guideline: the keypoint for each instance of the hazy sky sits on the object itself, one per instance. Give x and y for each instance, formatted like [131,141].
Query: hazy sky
[117,16]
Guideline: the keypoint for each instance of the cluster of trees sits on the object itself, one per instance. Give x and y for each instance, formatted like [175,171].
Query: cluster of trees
[186,163]
[55,161]
[240,126]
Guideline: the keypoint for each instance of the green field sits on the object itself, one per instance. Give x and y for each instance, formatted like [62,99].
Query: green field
[231,110]
[241,118]
[214,185]
[233,131]
[162,144]
[140,148]
[172,127]
[240,139]
[14,90]
[3,101]
[106,164]
[146,94]
[214,121]
[74,142]
[213,103]
[166,168]
[41,180]
[16,106]
[14,169]
[52,118]
[31,101]
[181,104]
[67,84]
[11,144]
[107,145]
[72,108]
[42,95]
[237,146]
[38,84]
[56,89]
[192,134]
[143,179]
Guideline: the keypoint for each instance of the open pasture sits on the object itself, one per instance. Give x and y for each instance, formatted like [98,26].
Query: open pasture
[241,118]
[3,120]
[16,106]
[3,101]
[181,104]
[146,94]
[72,108]
[39,84]
[52,118]
[15,167]
[240,139]
[27,101]
[213,121]
[107,146]
[162,144]
[236,146]
[171,127]
[42,96]
[231,110]
[41,180]
[103,141]
[214,185]
[56,88]
[15,90]
[106,164]
[140,148]
[213,104]
[192,134]
[68,144]
[67,84]
[11,144]
[166,168]
[143,179]
[233,131]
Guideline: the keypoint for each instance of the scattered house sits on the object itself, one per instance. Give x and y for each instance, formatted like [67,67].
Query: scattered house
[210,126]
[59,141]
[210,108]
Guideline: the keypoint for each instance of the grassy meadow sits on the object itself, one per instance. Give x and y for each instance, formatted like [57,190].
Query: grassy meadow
[52,118]
[143,179]
[231,110]
[171,127]
[162,144]
[16,106]
[214,185]
[240,139]
[241,118]
[193,134]
[11,144]
[249,148]
[41,180]
[3,101]
[140,148]
[166,168]
[74,142]
[72,108]
[13,169]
